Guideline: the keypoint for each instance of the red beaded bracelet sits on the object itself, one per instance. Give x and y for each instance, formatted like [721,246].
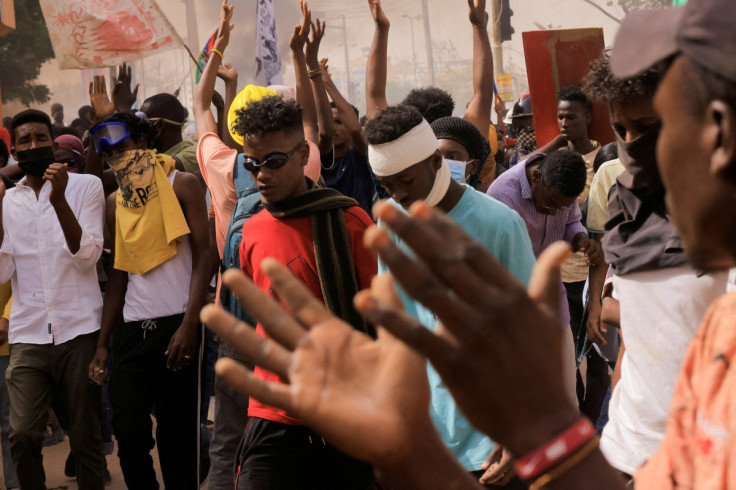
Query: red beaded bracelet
[555,451]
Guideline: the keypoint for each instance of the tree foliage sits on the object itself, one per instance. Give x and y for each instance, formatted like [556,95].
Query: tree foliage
[22,52]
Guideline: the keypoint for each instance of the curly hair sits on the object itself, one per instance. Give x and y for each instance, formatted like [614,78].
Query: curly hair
[600,84]
[564,170]
[137,127]
[269,115]
[391,123]
[432,102]
[574,93]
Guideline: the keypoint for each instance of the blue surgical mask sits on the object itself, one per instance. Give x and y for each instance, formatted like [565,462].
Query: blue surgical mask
[457,170]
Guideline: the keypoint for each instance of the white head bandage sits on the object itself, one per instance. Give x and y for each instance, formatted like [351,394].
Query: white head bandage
[396,156]
[441,185]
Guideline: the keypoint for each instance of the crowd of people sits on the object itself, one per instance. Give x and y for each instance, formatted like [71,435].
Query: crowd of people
[404,300]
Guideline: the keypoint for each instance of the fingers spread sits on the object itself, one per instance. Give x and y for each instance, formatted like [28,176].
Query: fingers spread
[428,234]
[419,282]
[300,300]
[243,380]
[263,352]
[402,326]
[279,325]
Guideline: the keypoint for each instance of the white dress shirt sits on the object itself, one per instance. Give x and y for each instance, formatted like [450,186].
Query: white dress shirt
[56,295]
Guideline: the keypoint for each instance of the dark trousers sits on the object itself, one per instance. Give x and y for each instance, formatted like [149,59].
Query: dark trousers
[39,374]
[141,384]
[276,456]
[231,415]
[592,392]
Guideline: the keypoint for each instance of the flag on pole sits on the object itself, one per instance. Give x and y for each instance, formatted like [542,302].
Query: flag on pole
[268,60]
[96,34]
[204,55]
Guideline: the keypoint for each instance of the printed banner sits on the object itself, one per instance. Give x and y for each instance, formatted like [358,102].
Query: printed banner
[96,34]
[268,60]
[503,86]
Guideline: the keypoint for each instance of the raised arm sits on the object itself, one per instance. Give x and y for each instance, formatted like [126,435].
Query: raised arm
[123,97]
[347,115]
[375,74]
[479,109]
[324,111]
[204,120]
[229,75]
[304,95]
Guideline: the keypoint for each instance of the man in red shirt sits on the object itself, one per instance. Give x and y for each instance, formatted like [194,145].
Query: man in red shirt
[318,234]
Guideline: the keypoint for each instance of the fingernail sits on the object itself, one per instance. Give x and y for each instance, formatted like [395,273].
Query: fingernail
[387,212]
[364,301]
[375,237]
[420,210]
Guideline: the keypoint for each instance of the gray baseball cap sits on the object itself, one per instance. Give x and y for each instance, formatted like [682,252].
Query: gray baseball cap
[703,30]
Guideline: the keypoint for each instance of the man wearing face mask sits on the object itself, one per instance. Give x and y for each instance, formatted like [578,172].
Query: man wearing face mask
[408,162]
[52,237]
[461,144]
[168,115]
[662,298]
[158,221]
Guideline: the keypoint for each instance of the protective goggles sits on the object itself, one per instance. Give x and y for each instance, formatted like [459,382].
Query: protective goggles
[109,133]
[272,161]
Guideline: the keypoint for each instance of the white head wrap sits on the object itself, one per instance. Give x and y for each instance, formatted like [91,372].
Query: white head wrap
[413,147]
[396,156]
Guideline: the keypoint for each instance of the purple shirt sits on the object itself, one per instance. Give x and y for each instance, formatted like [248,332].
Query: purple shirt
[513,189]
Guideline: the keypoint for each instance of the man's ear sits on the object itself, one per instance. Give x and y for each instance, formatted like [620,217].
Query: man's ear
[304,152]
[472,167]
[436,160]
[536,176]
[720,137]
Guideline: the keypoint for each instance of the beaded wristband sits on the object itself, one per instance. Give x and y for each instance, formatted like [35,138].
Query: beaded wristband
[566,465]
[555,451]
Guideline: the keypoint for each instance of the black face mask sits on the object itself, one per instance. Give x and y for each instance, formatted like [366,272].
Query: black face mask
[640,159]
[36,161]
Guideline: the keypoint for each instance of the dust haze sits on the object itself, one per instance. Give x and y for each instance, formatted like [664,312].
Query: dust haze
[451,37]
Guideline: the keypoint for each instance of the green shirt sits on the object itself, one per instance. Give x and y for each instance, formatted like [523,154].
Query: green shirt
[186,152]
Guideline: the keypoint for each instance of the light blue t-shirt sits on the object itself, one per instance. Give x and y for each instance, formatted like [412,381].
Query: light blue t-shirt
[503,233]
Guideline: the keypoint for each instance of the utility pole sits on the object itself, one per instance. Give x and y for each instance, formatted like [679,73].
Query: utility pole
[497,41]
[428,41]
[347,58]
[413,48]
[192,33]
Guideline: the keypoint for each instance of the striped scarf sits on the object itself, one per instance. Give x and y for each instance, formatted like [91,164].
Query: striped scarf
[332,248]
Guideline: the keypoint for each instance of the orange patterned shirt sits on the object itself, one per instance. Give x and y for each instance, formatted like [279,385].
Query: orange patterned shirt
[699,447]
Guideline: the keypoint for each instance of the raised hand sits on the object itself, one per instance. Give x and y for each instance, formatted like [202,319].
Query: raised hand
[122,96]
[326,75]
[498,347]
[227,73]
[225,27]
[368,398]
[312,53]
[301,32]
[477,13]
[379,17]
[99,100]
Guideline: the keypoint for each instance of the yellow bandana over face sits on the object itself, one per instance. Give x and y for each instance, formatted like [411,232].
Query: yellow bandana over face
[148,216]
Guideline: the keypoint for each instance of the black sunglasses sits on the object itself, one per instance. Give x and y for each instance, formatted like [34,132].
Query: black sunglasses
[272,161]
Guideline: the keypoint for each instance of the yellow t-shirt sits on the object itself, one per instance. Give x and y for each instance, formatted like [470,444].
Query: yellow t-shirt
[598,197]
